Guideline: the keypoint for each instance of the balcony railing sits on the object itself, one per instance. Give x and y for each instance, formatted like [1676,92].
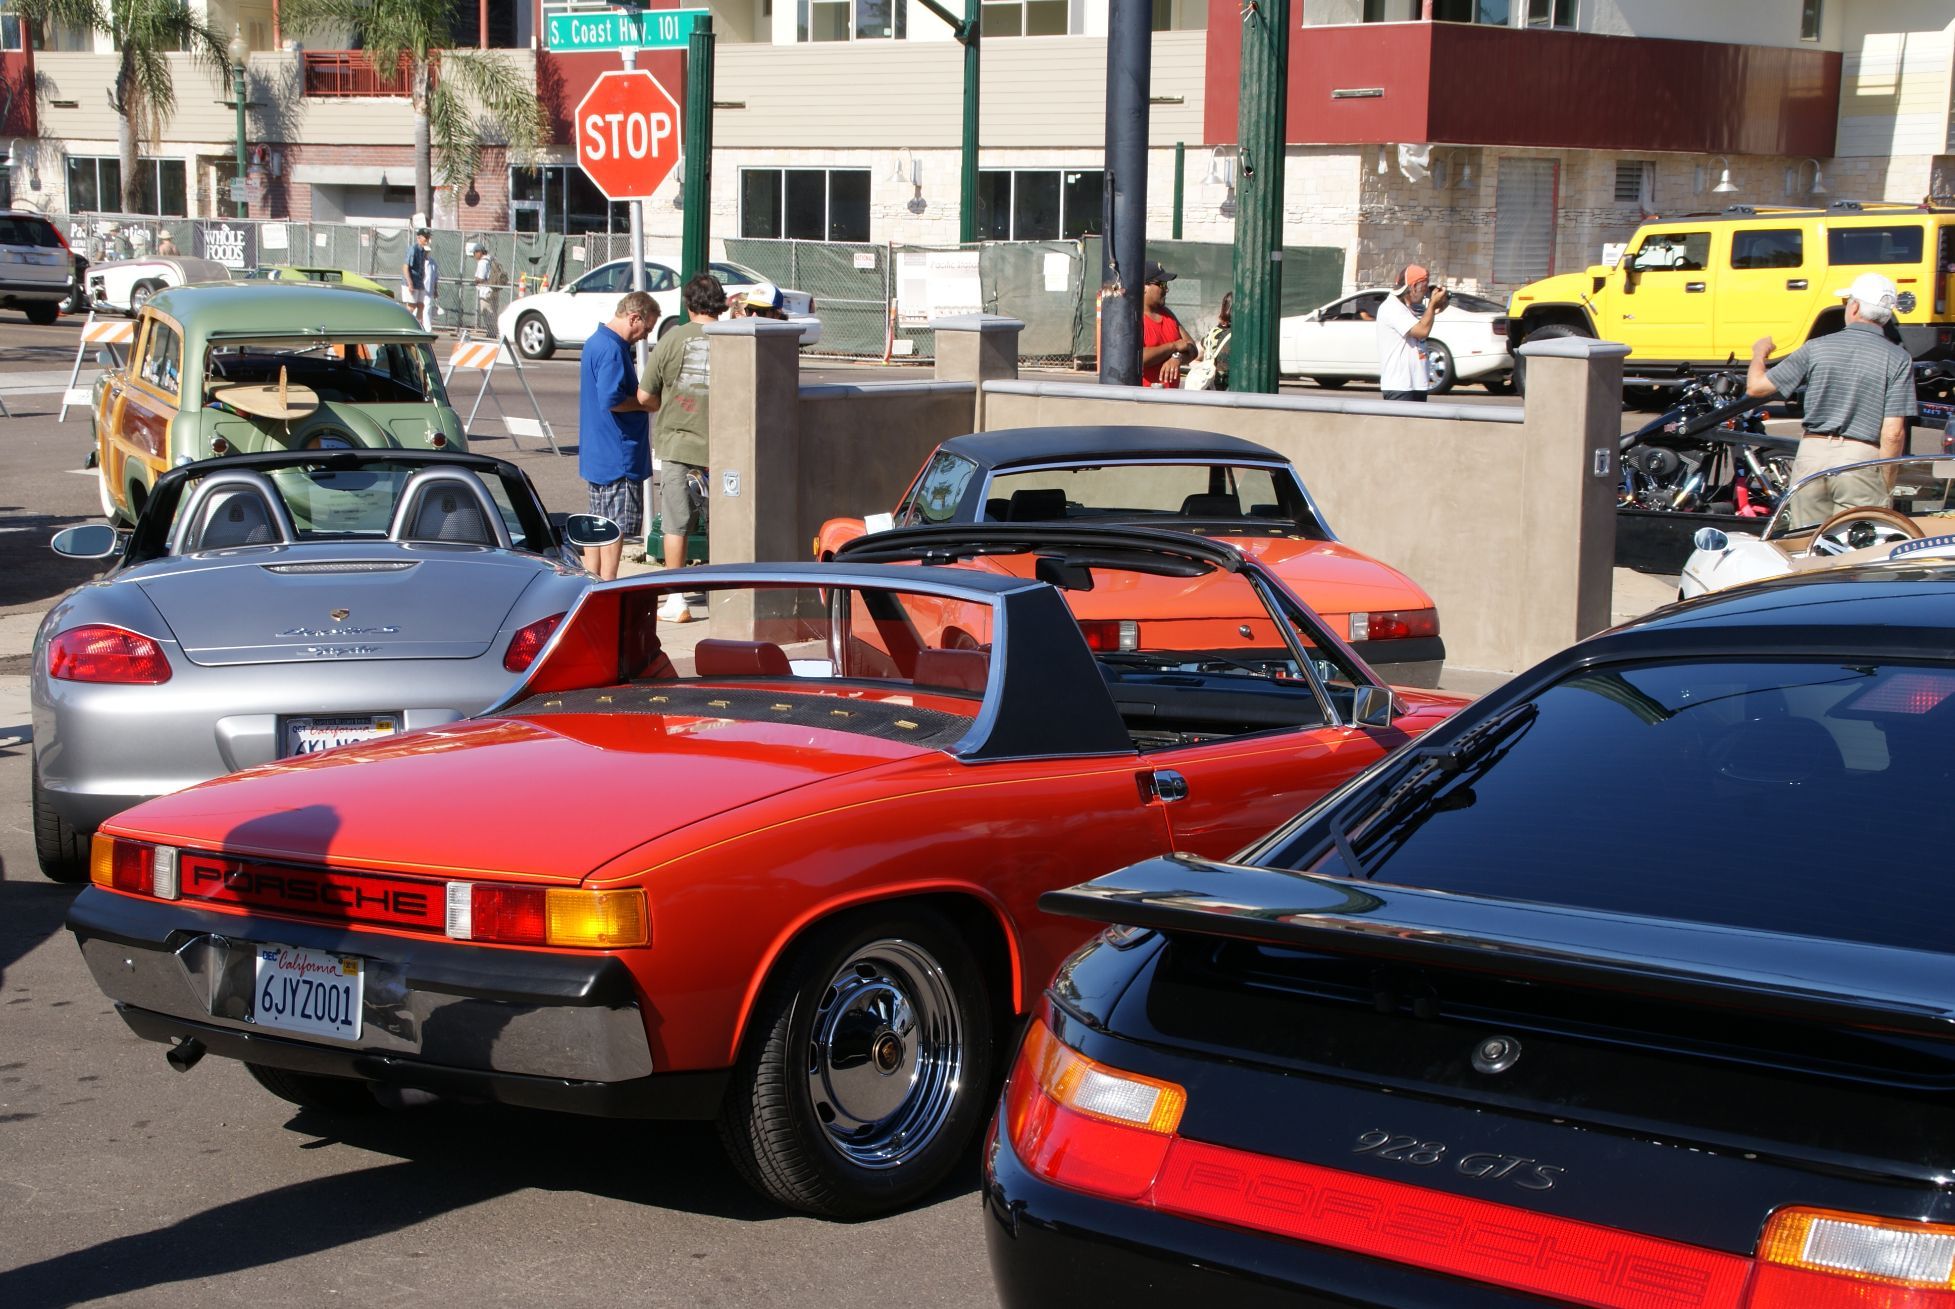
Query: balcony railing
[353,73]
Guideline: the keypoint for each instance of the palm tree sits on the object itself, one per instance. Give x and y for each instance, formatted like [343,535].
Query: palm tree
[478,96]
[145,33]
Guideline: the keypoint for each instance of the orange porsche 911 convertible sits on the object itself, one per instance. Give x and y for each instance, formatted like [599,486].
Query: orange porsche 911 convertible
[785,877]
[1185,480]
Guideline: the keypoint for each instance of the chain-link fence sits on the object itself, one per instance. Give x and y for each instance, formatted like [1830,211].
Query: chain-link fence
[519,262]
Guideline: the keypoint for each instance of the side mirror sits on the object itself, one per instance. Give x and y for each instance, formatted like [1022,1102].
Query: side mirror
[88,541]
[588,531]
[1371,706]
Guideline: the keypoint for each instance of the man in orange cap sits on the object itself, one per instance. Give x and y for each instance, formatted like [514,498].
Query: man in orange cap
[1401,329]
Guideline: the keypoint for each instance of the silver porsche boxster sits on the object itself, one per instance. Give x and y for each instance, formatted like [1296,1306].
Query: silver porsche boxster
[282,604]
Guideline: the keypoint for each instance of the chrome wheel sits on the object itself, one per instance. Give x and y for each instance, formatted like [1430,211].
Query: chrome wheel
[885,1054]
[533,338]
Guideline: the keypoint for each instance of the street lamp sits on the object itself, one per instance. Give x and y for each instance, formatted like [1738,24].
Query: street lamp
[238,51]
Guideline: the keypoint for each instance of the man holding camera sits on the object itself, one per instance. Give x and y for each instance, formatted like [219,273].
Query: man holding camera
[1401,331]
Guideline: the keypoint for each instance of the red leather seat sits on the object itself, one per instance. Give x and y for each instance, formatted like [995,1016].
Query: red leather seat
[712,658]
[953,670]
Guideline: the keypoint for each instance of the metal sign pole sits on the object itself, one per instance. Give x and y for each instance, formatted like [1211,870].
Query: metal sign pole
[630,57]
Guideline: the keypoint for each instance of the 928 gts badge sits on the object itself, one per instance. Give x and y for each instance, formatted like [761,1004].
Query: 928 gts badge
[1529,1174]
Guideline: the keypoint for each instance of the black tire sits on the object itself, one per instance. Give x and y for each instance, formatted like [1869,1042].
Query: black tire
[1540,334]
[1499,385]
[41,312]
[1330,383]
[786,1123]
[533,338]
[139,295]
[61,849]
[1441,373]
[333,1095]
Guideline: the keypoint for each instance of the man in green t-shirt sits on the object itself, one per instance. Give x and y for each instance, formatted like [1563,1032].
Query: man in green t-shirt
[676,377]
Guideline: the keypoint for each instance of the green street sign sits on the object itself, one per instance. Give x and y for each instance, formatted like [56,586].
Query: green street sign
[621,29]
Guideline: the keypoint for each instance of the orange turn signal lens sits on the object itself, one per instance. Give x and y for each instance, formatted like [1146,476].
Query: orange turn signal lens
[1093,1089]
[538,915]
[1868,1250]
[122,865]
[598,919]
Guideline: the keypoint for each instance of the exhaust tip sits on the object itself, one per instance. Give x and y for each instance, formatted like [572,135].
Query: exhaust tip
[183,1056]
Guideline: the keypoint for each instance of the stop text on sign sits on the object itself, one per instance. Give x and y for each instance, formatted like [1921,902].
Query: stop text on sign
[619,135]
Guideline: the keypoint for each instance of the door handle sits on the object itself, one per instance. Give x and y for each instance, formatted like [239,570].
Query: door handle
[1693,287]
[1795,283]
[1168,786]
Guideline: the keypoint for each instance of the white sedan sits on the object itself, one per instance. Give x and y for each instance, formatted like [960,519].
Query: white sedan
[124,286]
[540,323]
[1339,342]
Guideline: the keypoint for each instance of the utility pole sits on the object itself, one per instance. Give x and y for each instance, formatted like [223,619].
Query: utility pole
[1259,197]
[966,30]
[697,183]
[1129,70]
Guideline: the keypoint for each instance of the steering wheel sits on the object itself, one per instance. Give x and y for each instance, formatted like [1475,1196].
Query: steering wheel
[1856,529]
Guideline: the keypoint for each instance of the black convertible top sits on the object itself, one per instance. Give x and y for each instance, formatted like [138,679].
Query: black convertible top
[1037,445]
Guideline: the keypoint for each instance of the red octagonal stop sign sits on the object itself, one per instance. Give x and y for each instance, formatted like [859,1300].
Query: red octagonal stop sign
[627,134]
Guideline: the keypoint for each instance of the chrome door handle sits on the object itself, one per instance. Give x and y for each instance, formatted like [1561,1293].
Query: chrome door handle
[1795,283]
[1693,286]
[1169,786]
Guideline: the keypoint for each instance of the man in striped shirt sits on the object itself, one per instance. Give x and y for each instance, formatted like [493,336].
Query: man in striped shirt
[1859,396]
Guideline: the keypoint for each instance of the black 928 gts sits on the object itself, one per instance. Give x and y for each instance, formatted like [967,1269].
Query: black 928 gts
[1632,985]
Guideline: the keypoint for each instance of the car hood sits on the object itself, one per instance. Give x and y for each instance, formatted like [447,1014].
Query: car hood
[277,604]
[552,797]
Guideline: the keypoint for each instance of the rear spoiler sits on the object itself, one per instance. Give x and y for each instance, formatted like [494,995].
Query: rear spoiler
[1844,983]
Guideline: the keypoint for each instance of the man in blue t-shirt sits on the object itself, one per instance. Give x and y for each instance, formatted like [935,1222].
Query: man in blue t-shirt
[614,447]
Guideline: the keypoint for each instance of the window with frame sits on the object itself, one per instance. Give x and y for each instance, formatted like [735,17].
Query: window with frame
[1030,18]
[1635,181]
[1490,13]
[851,20]
[1668,252]
[1810,16]
[805,204]
[162,361]
[560,198]
[1550,13]
[1390,11]
[1778,247]
[10,29]
[1039,204]
[1900,244]
[95,186]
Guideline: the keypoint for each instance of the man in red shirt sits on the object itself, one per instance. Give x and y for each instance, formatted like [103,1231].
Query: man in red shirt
[1164,344]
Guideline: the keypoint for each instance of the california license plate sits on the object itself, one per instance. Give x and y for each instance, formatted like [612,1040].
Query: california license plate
[311,735]
[310,991]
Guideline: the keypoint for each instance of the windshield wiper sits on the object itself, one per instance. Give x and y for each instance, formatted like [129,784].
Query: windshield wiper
[1436,768]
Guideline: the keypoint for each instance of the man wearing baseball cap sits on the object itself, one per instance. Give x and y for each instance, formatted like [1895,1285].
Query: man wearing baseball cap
[1402,331]
[1859,396]
[1164,343]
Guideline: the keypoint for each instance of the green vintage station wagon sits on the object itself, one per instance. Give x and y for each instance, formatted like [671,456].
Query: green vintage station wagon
[240,367]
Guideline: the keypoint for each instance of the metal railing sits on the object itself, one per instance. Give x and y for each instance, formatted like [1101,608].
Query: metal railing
[347,73]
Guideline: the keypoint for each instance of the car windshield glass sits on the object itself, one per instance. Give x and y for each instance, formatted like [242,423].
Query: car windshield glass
[1922,490]
[361,499]
[938,492]
[28,231]
[1757,783]
[1263,498]
[735,274]
[1475,303]
[337,369]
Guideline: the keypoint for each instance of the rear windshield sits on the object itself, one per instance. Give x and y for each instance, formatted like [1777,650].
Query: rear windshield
[1899,244]
[27,231]
[1807,798]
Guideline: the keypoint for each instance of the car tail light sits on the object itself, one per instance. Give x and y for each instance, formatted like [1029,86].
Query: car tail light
[132,866]
[1110,633]
[1394,624]
[1500,326]
[1821,1259]
[100,653]
[529,642]
[552,915]
[1081,1124]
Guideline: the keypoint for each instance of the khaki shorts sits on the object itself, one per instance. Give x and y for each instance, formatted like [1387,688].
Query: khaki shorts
[674,500]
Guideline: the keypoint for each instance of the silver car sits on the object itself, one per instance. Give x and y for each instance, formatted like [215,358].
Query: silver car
[283,604]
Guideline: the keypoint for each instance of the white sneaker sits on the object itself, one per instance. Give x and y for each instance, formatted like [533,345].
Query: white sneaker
[675,609]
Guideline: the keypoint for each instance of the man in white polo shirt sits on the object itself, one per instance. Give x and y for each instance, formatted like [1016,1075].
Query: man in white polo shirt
[1401,362]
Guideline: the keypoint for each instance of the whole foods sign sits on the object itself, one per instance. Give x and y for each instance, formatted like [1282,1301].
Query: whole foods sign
[235,245]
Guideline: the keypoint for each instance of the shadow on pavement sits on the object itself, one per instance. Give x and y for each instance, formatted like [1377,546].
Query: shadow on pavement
[30,913]
[29,571]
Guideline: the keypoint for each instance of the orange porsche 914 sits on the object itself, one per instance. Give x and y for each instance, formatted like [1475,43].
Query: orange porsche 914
[784,875]
[1185,480]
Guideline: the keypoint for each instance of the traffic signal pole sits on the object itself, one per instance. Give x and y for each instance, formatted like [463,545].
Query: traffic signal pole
[1259,197]
[698,128]
[1129,68]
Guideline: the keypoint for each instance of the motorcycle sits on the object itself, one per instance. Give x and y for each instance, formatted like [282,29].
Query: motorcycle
[1707,461]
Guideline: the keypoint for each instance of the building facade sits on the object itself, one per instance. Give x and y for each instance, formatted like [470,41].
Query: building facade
[1494,140]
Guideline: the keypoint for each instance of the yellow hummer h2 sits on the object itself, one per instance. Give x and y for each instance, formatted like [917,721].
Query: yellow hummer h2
[1695,292]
